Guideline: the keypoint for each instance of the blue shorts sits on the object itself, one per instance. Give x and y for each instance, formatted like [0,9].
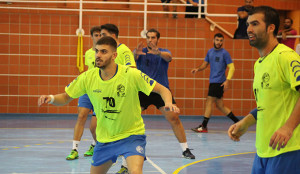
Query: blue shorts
[133,145]
[284,163]
[85,102]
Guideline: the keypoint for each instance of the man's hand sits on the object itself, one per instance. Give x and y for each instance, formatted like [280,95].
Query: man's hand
[237,130]
[225,84]
[45,99]
[281,137]
[139,49]
[154,49]
[57,100]
[194,70]
[172,107]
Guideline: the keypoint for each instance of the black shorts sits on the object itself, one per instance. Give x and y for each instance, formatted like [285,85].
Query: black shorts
[153,99]
[216,90]
[193,9]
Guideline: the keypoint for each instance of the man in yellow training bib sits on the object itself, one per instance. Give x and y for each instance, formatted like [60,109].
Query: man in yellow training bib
[276,87]
[113,90]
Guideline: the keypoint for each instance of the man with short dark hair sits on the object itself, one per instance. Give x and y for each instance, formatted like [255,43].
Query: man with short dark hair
[154,62]
[287,31]
[218,59]
[276,88]
[120,129]
[124,57]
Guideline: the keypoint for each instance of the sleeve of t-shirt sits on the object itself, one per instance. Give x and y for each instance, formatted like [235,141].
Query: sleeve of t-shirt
[289,62]
[77,87]
[142,81]
[254,113]
[128,56]
[293,32]
[206,59]
[227,57]
[166,50]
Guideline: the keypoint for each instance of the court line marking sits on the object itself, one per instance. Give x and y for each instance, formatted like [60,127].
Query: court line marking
[156,166]
[110,172]
[147,131]
[182,167]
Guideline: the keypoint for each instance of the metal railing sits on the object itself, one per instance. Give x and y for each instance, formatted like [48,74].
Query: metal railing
[145,10]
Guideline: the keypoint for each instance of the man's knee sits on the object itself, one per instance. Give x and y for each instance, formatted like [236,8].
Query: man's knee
[83,113]
[220,107]
[210,100]
[82,117]
[172,118]
[220,104]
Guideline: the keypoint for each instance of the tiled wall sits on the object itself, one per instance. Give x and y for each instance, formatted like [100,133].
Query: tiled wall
[38,56]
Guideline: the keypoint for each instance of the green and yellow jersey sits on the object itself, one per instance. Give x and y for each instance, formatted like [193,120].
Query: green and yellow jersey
[116,101]
[90,58]
[276,77]
[125,56]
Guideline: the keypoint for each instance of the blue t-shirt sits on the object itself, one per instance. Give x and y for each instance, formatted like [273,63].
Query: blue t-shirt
[218,60]
[154,66]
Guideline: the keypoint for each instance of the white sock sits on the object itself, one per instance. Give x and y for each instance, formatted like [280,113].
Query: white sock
[184,146]
[124,162]
[75,144]
[93,142]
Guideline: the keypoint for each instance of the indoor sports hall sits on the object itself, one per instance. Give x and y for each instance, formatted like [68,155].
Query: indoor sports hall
[42,46]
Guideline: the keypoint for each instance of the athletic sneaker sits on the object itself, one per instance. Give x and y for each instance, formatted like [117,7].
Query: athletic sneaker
[90,152]
[123,170]
[188,154]
[200,129]
[73,155]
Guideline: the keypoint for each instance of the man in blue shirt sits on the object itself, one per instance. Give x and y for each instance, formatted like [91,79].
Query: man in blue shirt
[219,59]
[154,62]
